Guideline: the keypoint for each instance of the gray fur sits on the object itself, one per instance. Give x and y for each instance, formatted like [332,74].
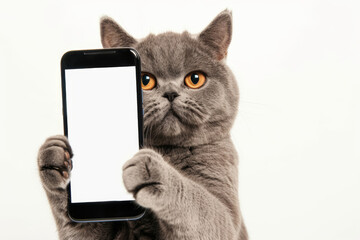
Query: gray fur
[189,165]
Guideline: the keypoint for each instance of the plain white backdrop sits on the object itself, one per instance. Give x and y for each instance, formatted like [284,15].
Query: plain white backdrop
[297,131]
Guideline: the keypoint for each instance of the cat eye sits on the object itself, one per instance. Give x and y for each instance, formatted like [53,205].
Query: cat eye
[195,80]
[148,81]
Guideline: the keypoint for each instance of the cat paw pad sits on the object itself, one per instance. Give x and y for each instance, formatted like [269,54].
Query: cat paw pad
[55,162]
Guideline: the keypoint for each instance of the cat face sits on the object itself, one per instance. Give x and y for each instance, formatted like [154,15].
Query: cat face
[190,95]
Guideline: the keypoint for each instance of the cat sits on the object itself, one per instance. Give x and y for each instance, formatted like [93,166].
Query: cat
[186,175]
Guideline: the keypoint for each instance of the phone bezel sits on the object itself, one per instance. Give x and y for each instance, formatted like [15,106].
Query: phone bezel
[112,57]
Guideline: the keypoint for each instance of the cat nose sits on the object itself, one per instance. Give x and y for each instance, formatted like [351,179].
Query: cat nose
[170,96]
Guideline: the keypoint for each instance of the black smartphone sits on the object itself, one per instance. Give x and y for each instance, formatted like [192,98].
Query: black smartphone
[103,120]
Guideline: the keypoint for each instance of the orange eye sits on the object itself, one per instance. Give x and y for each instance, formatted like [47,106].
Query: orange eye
[195,80]
[148,81]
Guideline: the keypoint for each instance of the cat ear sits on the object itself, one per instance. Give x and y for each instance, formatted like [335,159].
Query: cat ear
[112,35]
[217,35]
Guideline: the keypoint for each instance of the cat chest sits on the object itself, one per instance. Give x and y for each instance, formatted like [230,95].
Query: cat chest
[207,167]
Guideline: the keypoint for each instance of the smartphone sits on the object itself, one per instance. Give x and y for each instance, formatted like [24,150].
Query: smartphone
[103,121]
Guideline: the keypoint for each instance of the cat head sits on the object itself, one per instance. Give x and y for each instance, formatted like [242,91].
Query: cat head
[190,95]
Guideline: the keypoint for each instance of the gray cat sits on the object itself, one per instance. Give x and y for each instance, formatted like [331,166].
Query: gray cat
[187,174]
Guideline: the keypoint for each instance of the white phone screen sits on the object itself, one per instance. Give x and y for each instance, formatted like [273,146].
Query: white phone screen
[102,130]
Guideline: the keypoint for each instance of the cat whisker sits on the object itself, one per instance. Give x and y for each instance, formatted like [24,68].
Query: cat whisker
[200,115]
[195,105]
[149,115]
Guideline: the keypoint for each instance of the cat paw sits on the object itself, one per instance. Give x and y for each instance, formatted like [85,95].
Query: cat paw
[145,176]
[54,162]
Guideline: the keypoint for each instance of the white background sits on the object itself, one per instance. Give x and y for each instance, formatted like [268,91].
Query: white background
[297,131]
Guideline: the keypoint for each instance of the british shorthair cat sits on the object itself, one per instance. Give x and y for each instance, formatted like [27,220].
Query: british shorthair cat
[187,174]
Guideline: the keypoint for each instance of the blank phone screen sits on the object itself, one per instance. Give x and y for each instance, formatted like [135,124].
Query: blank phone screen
[102,124]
